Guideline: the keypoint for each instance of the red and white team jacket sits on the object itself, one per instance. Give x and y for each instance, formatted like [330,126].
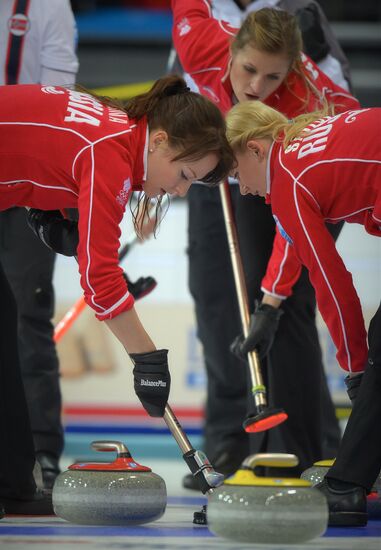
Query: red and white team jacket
[202,43]
[331,174]
[63,149]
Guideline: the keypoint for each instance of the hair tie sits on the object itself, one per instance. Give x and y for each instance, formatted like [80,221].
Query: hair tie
[185,90]
[177,90]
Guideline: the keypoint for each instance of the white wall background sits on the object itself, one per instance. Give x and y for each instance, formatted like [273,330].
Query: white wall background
[168,316]
[361,253]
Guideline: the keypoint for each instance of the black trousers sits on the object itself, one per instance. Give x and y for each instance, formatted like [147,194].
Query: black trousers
[359,457]
[16,442]
[294,372]
[218,323]
[28,265]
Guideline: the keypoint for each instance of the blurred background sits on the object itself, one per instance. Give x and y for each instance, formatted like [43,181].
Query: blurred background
[124,43]
[127,40]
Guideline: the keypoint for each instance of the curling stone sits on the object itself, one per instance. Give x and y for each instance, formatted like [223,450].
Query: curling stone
[317,472]
[37,474]
[118,493]
[252,509]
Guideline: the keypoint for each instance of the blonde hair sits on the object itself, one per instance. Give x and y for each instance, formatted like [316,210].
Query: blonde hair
[255,120]
[272,31]
[276,31]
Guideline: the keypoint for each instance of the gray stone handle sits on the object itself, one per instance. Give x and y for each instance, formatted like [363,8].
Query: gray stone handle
[277,460]
[108,446]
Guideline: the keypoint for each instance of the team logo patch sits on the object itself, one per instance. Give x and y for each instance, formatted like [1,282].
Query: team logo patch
[183,27]
[124,193]
[282,231]
[51,90]
[18,24]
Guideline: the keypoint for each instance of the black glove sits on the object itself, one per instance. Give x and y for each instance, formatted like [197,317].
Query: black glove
[353,386]
[55,231]
[141,287]
[263,326]
[152,380]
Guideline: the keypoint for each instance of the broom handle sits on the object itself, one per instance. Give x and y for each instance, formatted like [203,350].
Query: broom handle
[258,387]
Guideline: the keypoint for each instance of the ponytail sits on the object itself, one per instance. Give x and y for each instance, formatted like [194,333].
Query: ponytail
[255,120]
[146,104]
[194,125]
[297,126]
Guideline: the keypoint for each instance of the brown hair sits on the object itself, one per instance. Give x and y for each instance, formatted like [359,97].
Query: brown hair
[275,31]
[194,125]
[272,31]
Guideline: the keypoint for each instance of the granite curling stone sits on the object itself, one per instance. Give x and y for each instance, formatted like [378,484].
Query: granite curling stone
[317,472]
[118,493]
[252,509]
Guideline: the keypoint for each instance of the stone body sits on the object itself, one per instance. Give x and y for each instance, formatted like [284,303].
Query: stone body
[317,472]
[109,498]
[269,514]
